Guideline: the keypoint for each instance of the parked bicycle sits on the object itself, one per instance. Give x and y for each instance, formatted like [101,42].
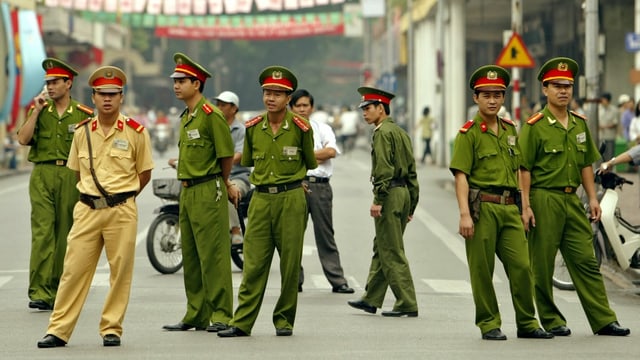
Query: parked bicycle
[164,248]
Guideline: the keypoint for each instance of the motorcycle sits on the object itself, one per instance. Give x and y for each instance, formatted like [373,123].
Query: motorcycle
[164,248]
[614,238]
[161,137]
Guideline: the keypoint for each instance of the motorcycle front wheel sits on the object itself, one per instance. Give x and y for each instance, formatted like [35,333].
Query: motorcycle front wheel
[237,256]
[164,248]
[561,278]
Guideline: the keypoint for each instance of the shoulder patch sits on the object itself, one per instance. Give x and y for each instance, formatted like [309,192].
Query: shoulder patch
[508,121]
[207,108]
[135,125]
[255,120]
[83,122]
[534,118]
[303,125]
[467,126]
[583,117]
[85,109]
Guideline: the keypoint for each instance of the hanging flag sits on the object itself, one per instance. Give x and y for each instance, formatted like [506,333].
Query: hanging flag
[275,5]
[126,6]
[200,7]
[95,5]
[215,7]
[184,7]
[306,3]
[154,7]
[230,6]
[291,4]
[262,5]
[80,4]
[139,6]
[244,6]
[170,7]
[111,6]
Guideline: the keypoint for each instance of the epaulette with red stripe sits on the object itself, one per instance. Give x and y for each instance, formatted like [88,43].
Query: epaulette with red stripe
[581,116]
[83,122]
[85,109]
[509,121]
[135,125]
[255,120]
[534,118]
[303,125]
[467,126]
[207,108]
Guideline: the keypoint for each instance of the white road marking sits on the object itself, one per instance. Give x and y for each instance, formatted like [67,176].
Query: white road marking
[4,280]
[11,189]
[449,286]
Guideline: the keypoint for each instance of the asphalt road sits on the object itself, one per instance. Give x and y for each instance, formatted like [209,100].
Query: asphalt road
[326,327]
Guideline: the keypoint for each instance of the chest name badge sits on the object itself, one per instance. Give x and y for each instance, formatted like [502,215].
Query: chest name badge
[512,140]
[193,134]
[289,150]
[121,144]
[71,128]
[581,138]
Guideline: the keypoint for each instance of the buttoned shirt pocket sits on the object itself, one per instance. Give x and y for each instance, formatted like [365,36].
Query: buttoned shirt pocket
[121,159]
[290,164]
[194,149]
[555,154]
[488,162]
[514,153]
[581,154]
[259,158]
[83,158]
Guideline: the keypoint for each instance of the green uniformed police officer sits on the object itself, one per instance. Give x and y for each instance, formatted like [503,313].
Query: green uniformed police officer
[558,153]
[49,129]
[395,197]
[204,164]
[279,145]
[485,163]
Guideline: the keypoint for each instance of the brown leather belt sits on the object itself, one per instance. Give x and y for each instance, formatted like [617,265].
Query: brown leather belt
[275,189]
[192,182]
[498,199]
[98,202]
[58,162]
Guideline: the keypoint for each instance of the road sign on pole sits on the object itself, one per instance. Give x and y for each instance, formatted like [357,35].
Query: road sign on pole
[515,54]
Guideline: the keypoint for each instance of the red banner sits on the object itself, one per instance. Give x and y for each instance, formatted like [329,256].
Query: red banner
[253,32]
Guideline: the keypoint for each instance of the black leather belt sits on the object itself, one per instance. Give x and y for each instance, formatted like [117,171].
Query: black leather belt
[565,189]
[98,202]
[397,183]
[315,179]
[500,190]
[58,162]
[192,182]
[275,189]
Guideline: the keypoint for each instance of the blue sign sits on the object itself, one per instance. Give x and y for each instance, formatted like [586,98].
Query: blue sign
[632,42]
[387,82]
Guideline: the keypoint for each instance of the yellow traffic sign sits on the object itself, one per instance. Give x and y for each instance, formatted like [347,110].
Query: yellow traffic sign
[515,54]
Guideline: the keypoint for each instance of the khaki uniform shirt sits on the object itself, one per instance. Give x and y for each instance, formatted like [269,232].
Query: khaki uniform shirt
[118,157]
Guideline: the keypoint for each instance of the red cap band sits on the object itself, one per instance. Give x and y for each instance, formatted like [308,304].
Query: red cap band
[282,82]
[485,81]
[376,97]
[102,81]
[190,71]
[59,72]
[556,74]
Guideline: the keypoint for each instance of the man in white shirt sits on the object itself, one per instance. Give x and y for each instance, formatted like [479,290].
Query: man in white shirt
[349,128]
[320,195]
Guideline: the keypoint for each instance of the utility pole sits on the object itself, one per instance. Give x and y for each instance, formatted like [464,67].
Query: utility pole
[410,71]
[516,27]
[592,77]
[442,151]
[637,55]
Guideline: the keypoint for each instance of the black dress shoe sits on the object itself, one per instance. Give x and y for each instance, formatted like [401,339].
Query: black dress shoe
[50,341]
[284,332]
[232,332]
[40,305]
[362,305]
[494,334]
[614,329]
[343,289]
[182,327]
[535,334]
[560,331]
[111,340]
[395,313]
[217,326]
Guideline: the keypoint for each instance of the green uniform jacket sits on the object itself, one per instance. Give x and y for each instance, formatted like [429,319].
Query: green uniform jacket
[274,160]
[476,155]
[53,134]
[392,158]
[554,155]
[204,139]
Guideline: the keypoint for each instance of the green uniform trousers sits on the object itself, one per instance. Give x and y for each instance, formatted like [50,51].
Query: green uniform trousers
[276,221]
[499,231]
[561,224]
[206,253]
[389,265]
[53,194]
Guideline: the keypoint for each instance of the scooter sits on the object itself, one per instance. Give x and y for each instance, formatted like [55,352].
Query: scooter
[161,137]
[164,248]
[614,238]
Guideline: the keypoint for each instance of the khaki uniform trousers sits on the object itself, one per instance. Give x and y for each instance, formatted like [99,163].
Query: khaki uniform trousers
[113,229]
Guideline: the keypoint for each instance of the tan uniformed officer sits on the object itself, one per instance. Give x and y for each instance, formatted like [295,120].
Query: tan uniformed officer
[395,197]
[279,145]
[558,153]
[204,164]
[49,131]
[485,163]
[111,155]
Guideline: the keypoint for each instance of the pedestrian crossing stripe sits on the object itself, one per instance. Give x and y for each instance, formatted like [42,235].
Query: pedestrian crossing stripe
[4,280]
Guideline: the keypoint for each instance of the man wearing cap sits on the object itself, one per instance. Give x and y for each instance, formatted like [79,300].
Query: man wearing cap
[395,197]
[279,145]
[320,195]
[626,105]
[229,104]
[111,155]
[204,163]
[485,163]
[49,129]
[557,151]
